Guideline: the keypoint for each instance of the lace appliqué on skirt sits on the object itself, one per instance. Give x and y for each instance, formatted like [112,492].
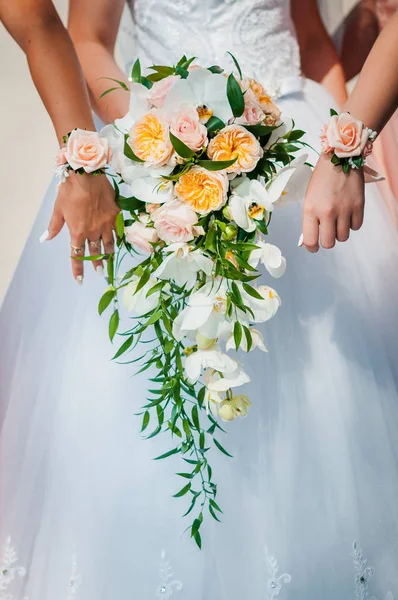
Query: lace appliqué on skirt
[167,585]
[363,574]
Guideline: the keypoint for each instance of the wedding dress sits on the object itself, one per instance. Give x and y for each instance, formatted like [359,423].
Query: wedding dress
[310,498]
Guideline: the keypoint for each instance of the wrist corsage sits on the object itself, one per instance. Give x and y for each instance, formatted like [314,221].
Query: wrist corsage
[347,141]
[83,152]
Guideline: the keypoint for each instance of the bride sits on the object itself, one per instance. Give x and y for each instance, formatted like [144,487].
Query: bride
[310,501]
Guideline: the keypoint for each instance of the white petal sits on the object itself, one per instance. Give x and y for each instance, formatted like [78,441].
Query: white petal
[285,127]
[153,191]
[180,93]
[260,195]
[239,212]
[139,104]
[271,256]
[202,262]
[125,123]
[277,272]
[196,316]
[193,366]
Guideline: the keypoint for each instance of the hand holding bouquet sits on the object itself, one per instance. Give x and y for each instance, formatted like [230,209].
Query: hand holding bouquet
[206,156]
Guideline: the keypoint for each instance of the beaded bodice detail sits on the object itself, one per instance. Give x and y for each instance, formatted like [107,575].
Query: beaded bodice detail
[259,32]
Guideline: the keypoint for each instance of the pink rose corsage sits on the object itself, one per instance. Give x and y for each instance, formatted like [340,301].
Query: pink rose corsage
[84,152]
[347,141]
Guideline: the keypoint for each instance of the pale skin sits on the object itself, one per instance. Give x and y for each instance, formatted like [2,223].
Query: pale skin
[335,201]
[85,203]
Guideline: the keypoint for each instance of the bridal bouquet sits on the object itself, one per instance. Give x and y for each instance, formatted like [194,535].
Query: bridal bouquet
[206,157]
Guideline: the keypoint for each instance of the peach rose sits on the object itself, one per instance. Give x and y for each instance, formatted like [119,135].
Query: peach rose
[160,89]
[324,141]
[204,190]
[87,150]
[346,135]
[140,236]
[175,222]
[234,141]
[186,126]
[264,100]
[253,114]
[60,159]
[150,139]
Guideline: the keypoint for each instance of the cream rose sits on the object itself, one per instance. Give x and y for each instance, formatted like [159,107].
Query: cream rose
[236,142]
[160,89]
[150,139]
[205,191]
[140,236]
[346,135]
[87,150]
[175,222]
[186,126]
[253,114]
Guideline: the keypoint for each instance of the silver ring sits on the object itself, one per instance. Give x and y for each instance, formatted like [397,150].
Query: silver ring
[95,244]
[76,250]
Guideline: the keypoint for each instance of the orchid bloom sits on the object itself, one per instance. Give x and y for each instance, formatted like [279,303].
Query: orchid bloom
[139,302]
[182,264]
[203,90]
[270,256]
[249,201]
[213,359]
[257,342]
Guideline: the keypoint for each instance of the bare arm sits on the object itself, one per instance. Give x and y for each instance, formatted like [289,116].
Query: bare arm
[335,201]
[319,58]
[361,31]
[53,63]
[85,203]
[93,27]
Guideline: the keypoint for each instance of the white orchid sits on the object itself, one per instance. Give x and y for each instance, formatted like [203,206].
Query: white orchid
[291,182]
[228,379]
[139,105]
[139,302]
[212,359]
[264,309]
[230,409]
[249,201]
[201,89]
[206,312]
[270,256]
[257,342]
[182,264]
[285,125]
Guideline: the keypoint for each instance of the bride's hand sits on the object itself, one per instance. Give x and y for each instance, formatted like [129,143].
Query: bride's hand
[333,205]
[86,203]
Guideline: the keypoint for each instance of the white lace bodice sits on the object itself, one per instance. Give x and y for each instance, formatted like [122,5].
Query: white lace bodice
[259,32]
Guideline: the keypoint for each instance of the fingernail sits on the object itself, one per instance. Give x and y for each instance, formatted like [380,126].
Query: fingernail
[100,271]
[301,240]
[79,280]
[44,236]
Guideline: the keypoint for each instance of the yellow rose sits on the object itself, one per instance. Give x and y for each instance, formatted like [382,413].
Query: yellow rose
[271,110]
[234,141]
[150,139]
[203,190]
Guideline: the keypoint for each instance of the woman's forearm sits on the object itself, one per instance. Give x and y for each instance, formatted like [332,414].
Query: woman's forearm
[93,26]
[98,65]
[375,97]
[52,60]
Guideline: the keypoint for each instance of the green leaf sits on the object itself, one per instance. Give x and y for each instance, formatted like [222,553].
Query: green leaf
[121,83]
[163,69]
[202,440]
[215,69]
[108,92]
[144,279]
[124,347]
[195,527]
[237,334]
[236,65]
[216,165]
[187,428]
[221,448]
[198,540]
[235,97]
[181,149]
[190,508]
[113,324]
[167,454]
[119,225]
[252,292]
[146,82]
[236,293]
[260,130]
[136,71]
[195,417]
[213,514]
[106,300]
[131,204]
[248,336]
[155,288]
[333,112]
[214,124]
[129,153]
[201,395]
[336,160]
[183,491]
[183,73]
[215,505]
[145,420]
[109,268]
[295,134]
[155,317]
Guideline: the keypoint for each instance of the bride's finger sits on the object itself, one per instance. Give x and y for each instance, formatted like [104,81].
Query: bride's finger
[343,229]
[108,241]
[328,233]
[77,249]
[95,248]
[311,233]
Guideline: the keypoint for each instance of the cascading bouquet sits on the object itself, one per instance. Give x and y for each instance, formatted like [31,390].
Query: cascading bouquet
[206,156]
